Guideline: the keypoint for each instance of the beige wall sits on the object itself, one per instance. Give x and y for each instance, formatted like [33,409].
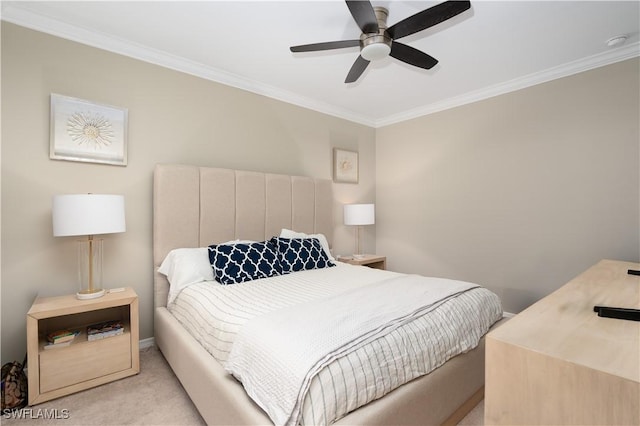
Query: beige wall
[520,192]
[173,118]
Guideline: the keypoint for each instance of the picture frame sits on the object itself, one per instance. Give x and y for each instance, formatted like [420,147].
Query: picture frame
[86,131]
[345,166]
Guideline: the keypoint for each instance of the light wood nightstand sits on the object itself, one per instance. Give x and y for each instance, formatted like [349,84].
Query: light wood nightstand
[83,364]
[370,260]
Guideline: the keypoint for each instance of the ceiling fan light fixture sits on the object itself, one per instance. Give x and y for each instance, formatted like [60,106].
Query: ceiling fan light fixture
[375,51]
[377,41]
[375,46]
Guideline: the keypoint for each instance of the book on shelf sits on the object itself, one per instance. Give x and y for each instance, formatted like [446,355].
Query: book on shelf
[59,337]
[104,329]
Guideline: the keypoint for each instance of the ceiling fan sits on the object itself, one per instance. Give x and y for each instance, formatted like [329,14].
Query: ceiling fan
[377,41]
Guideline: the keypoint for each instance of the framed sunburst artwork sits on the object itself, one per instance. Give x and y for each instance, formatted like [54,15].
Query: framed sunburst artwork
[88,132]
[345,166]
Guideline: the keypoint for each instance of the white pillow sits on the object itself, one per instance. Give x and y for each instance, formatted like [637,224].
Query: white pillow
[186,266]
[288,233]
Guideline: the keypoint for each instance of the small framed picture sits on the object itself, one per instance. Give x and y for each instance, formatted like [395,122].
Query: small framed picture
[345,166]
[88,132]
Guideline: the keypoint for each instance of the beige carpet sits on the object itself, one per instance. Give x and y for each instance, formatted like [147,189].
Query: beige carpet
[475,416]
[153,397]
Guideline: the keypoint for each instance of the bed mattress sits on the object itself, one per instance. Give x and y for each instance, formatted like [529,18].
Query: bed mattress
[214,315]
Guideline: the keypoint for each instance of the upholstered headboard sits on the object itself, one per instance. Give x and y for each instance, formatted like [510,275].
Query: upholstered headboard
[199,206]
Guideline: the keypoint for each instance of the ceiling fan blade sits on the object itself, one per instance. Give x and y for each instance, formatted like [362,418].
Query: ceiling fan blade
[427,18]
[357,69]
[363,13]
[412,56]
[325,46]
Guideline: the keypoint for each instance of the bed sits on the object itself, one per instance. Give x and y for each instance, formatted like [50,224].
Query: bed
[199,206]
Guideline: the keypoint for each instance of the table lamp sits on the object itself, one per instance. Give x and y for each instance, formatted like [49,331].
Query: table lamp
[359,215]
[88,214]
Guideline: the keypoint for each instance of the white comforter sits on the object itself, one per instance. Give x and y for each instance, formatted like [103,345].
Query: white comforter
[215,315]
[276,355]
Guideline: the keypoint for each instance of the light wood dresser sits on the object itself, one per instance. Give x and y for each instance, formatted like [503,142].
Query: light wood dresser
[558,362]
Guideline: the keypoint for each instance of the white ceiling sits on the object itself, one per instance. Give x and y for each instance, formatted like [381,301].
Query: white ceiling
[493,48]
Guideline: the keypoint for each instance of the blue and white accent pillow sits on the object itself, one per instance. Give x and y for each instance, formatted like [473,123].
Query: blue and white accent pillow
[299,254]
[240,262]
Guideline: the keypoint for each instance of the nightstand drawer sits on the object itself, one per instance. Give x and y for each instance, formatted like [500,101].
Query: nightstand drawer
[84,361]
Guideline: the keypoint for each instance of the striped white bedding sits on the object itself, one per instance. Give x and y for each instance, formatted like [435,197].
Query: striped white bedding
[214,314]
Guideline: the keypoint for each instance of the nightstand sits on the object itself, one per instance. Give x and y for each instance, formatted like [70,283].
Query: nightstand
[83,364]
[370,260]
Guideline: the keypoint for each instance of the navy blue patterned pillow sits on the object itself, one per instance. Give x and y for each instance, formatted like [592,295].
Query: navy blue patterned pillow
[299,254]
[240,262]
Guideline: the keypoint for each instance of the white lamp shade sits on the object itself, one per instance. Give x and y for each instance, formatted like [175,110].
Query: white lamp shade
[359,214]
[88,214]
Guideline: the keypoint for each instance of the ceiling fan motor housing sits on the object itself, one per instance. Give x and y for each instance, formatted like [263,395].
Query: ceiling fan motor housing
[375,46]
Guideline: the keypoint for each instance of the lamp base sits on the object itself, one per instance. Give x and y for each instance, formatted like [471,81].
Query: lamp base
[90,294]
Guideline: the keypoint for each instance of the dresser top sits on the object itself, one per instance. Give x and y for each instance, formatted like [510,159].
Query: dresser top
[564,325]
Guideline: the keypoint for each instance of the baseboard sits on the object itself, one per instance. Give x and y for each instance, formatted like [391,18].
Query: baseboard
[508,315]
[146,343]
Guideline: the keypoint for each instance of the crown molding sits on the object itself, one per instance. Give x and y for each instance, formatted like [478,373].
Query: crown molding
[564,70]
[28,19]
[37,22]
